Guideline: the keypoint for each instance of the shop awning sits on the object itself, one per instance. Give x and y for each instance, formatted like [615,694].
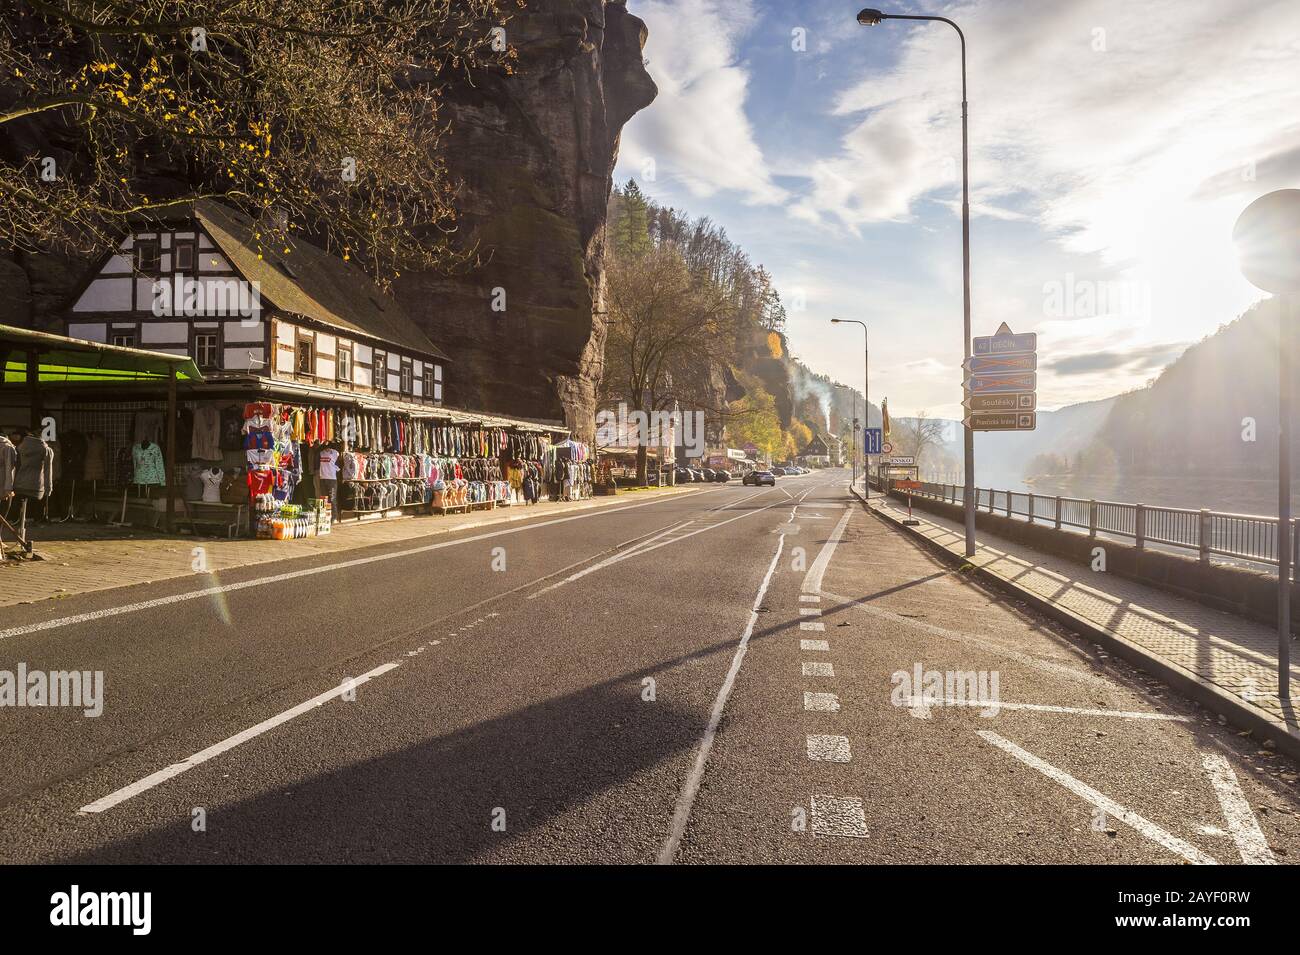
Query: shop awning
[60,359]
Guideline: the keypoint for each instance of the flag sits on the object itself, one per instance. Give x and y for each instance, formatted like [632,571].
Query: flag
[884,418]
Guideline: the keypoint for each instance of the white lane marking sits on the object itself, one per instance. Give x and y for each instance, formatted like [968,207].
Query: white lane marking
[686,798]
[1236,810]
[839,816]
[919,701]
[823,645]
[810,611]
[311,571]
[810,598]
[1140,824]
[638,551]
[818,669]
[815,627]
[821,702]
[830,749]
[175,769]
[812,581]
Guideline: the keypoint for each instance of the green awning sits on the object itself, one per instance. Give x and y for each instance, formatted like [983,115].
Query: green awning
[61,359]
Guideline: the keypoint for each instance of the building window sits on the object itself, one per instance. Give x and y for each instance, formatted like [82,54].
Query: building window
[408,378]
[206,350]
[183,255]
[123,339]
[381,372]
[345,364]
[148,256]
[306,356]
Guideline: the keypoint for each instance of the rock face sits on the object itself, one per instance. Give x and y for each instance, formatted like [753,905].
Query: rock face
[536,153]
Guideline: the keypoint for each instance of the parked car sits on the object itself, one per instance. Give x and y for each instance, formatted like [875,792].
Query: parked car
[697,475]
[722,477]
[682,476]
[759,478]
[778,472]
[708,473]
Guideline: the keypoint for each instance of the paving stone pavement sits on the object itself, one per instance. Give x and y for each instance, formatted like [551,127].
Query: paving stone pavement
[1237,655]
[74,567]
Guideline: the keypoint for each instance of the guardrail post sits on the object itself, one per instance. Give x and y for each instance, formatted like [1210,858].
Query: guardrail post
[1203,535]
[1058,512]
[1140,525]
[1031,508]
[1092,518]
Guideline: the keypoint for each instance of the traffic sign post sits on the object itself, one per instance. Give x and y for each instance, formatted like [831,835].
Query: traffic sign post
[1001,381]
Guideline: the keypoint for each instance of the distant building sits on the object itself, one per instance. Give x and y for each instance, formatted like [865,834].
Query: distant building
[816,453]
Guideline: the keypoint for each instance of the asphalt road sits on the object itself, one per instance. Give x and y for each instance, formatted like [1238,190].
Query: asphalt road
[711,677]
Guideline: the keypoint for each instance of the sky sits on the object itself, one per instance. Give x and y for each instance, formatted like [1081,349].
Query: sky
[1113,143]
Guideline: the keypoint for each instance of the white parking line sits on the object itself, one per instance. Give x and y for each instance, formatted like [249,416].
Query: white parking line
[686,798]
[202,756]
[812,582]
[918,701]
[830,749]
[818,669]
[823,645]
[839,816]
[821,702]
[1139,824]
[1236,810]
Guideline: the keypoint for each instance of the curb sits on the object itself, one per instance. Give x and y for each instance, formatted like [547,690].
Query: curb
[1191,685]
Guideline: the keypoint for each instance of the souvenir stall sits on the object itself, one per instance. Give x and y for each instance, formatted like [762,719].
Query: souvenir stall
[567,471]
[276,437]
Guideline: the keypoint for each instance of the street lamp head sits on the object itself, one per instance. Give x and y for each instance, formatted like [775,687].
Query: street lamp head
[869,17]
[835,321]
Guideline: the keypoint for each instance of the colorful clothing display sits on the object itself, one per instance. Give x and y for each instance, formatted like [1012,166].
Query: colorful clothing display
[147,464]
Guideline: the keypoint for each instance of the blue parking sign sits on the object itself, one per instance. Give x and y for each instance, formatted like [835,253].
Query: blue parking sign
[872,441]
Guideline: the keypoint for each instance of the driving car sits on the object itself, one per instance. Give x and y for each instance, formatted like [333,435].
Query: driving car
[759,478]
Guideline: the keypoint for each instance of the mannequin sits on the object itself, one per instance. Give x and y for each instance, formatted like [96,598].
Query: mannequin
[212,478]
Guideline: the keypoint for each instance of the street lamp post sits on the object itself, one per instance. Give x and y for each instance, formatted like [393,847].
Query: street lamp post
[866,400]
[871,17]
[1267,235]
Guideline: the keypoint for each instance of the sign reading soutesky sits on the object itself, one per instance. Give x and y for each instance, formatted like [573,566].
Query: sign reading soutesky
[1001,382]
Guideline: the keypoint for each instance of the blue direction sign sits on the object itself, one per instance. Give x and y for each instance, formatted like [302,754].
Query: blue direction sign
[1004,342]
[872,440]
[1000,384]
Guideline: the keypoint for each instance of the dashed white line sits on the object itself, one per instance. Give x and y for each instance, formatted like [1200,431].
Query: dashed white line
[815,627]
[810,611]
[839,816]
[822,645]
[175,769]
[1236,810]
[818,669]
[1139,824]
[830,749]
[821,702]
[810,598]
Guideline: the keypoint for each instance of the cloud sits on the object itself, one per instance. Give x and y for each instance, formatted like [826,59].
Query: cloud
[1137,360]
[696,133]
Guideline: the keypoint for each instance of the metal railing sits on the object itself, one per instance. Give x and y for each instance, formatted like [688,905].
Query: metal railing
[1242,537]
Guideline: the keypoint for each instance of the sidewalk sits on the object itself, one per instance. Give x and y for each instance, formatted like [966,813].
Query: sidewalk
[72,567]
[1225,662]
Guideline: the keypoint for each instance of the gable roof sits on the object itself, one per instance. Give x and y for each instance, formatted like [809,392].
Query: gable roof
[310,282]
[816,447]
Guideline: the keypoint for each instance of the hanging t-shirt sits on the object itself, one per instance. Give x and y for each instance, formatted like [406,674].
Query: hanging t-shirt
[329,465]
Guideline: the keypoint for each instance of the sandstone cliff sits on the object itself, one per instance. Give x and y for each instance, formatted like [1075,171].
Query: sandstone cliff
[536,152]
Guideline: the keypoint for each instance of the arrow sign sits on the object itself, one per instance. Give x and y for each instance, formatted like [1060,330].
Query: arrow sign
[1004,342]
[873,441]
[1012,401]
[997,421]
[1000,384]
[990,364]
